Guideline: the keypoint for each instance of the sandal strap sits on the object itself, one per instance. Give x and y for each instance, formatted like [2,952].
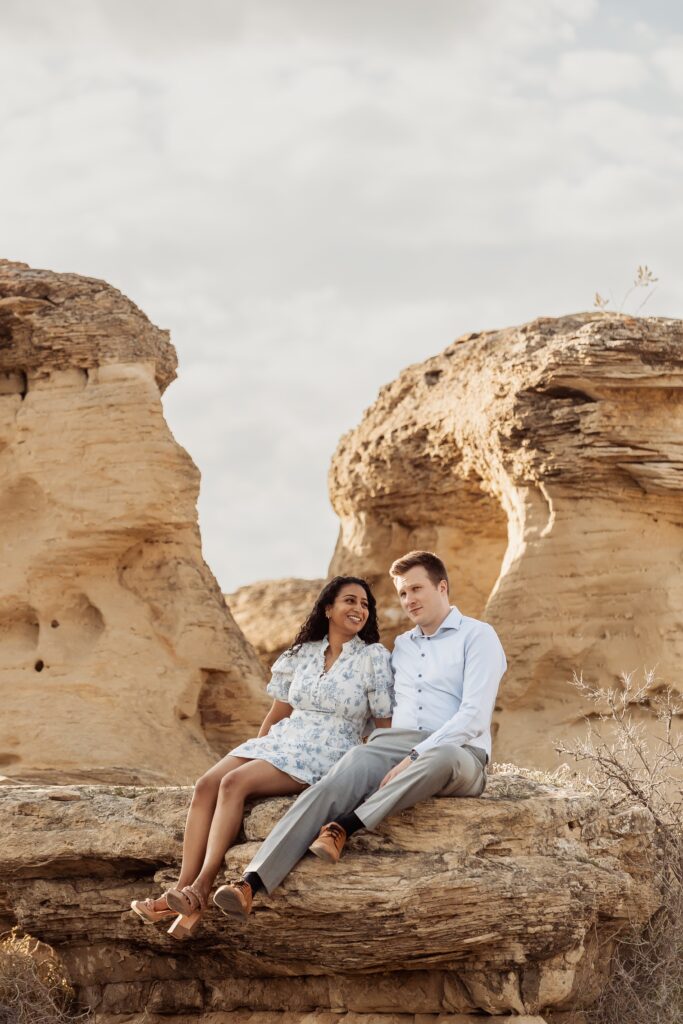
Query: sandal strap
[195,898]
[151,900]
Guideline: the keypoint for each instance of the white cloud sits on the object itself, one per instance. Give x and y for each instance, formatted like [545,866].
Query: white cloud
[312,195]
[669,60]
[598,72]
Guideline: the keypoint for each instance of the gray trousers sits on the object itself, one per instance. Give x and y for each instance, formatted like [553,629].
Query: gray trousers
[351,785]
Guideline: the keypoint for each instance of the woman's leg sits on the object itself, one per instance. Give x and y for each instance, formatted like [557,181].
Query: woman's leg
[198,821]
[256,778]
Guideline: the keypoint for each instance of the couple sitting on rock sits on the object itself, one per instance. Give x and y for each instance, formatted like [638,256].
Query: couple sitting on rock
[431,701]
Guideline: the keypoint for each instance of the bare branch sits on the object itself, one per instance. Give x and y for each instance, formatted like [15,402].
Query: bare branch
[628,766]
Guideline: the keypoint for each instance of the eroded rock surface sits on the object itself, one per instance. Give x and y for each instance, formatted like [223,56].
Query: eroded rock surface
[501,905]
[118,657]
[545,463]
[271,612]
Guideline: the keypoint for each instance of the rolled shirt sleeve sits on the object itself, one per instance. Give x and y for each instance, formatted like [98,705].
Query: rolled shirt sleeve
[484,667]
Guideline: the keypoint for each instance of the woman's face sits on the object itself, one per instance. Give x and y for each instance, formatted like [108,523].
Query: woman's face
[349,613]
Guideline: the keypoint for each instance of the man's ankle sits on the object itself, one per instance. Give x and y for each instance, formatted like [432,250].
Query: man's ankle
[253,879]
[350,823]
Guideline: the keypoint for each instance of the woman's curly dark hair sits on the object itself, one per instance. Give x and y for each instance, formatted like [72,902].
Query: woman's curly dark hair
[316,625]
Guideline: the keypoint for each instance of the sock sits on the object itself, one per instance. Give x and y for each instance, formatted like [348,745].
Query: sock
[254,880]
[350,823]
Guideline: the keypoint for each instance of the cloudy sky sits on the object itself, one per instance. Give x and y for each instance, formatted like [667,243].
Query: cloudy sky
[311,194]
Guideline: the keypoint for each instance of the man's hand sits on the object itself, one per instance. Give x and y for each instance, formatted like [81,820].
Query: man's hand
[400,767]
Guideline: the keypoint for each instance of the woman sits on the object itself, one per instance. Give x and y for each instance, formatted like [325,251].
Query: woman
[334,676]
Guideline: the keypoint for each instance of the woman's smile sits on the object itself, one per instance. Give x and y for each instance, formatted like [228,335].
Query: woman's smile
[349,611]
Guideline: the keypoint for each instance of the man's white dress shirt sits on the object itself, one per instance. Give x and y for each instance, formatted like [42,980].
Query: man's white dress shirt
[446,684]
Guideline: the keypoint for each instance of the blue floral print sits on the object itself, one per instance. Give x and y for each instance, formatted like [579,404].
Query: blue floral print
[331,708]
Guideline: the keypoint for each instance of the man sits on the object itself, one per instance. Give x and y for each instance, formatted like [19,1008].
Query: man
[447,670]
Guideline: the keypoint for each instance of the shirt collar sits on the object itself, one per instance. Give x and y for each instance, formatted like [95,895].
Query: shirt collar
[350,645]
[452,621]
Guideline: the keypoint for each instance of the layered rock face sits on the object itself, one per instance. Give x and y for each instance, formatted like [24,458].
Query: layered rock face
[545,464]
[270,613]
[454,909]
[118,657]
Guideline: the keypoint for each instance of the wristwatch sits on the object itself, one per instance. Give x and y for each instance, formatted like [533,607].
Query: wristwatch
[413,755]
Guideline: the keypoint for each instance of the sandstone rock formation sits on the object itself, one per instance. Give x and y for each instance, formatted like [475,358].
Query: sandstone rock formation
[271,612]
[118,658]
[502,905]
[545,463]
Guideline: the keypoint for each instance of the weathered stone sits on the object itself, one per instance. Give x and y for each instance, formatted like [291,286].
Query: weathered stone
[324,1017]
[184,996]
[118,657]
[270,613]
[123,997]
[421,991]
[503,904]
[545,463]
[300,993]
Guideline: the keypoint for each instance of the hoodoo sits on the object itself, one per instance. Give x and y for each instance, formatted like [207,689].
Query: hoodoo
[118,657]
[545,464]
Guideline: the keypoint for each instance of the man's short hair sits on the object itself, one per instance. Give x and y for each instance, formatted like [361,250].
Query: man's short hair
[433,565]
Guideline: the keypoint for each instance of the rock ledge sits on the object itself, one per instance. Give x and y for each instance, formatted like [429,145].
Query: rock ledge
[504,904]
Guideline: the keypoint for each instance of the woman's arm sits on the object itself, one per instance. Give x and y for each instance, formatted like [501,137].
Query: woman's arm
[279,709]
[382,723]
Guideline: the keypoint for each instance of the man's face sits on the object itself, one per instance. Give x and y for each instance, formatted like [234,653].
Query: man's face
[426,604]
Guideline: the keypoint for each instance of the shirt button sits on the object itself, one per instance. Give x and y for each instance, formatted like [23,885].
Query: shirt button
[419,691]
[419,675]
[420,708]
[423,655]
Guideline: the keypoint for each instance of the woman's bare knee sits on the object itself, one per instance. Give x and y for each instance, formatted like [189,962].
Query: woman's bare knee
[205,788]
[230,785]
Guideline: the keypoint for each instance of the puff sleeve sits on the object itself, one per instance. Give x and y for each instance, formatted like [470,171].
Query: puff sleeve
[380,682]
[282,672]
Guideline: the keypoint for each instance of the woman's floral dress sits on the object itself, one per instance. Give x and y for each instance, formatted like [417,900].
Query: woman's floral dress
[330,708]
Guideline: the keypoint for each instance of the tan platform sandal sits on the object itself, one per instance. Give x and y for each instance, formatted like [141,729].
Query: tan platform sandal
[146,912]
[189,906]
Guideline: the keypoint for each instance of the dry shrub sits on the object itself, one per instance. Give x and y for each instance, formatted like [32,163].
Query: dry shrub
[34,988]
[627,764]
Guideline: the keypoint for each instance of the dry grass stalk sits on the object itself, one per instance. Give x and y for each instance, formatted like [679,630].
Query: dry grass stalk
[643,278]
[33,986]
[626,765]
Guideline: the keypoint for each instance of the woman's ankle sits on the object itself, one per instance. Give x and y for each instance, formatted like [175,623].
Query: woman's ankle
[203,884]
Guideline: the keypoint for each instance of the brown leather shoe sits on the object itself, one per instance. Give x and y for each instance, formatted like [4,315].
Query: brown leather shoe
[330,843]
[235,900]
